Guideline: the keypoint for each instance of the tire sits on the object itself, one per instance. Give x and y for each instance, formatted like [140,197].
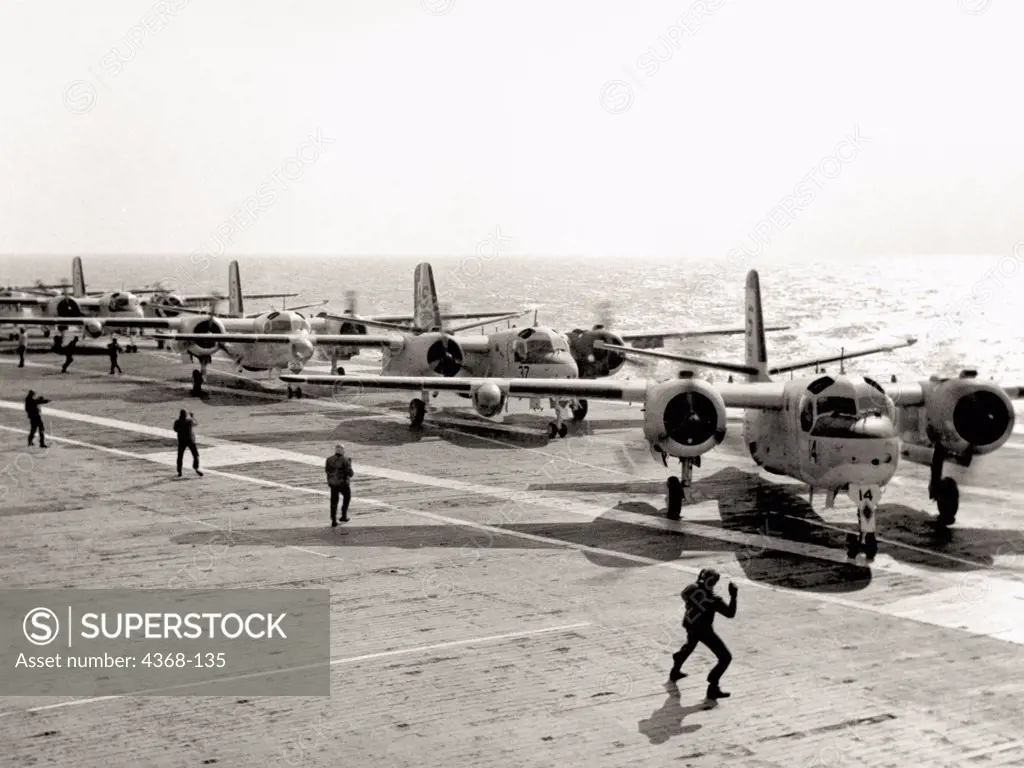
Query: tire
[948,498]
[579,414]
[673,498]
[417,410]
[870,546]
[563,430]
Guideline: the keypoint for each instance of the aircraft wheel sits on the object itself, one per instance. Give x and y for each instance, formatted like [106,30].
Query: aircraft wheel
[46,333]
[339,371]
[579,414]
[417,410]
[298,392]
[852,545]
[949,500]
[159,343]
[870,546]
[563,430]
[291,393]
[673,498]
[552,430]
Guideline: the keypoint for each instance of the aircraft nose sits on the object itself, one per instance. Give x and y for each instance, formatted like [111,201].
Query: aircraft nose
[302,348]
[878,427]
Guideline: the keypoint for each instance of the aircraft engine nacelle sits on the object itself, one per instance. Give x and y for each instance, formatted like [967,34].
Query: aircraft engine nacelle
[166,300]
[94,328]
[489,399]
[966,415]
[595,363]
[335,326]
[429,354]
[202,325]
[64,306]
[684,418]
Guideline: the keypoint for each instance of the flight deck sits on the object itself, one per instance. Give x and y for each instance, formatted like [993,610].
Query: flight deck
[504,599]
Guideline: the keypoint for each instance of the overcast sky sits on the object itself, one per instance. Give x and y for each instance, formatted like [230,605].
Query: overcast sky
[442,119]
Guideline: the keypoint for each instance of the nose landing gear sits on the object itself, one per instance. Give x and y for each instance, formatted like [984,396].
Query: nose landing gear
[867,500]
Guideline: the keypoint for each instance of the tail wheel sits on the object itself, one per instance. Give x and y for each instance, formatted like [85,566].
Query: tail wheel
[580,413]
[673,498]
[417,410]
[948,496]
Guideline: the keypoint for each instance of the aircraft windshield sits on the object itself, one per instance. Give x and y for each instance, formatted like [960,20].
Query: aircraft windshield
[836,425]
[837,405]
[537,349]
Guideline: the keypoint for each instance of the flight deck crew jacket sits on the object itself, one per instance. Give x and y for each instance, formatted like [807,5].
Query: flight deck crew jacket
[701,606]
[339,470]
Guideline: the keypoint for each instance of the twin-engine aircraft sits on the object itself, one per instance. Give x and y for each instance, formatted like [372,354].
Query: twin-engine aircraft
[429,349]
[53,310]
[835,433]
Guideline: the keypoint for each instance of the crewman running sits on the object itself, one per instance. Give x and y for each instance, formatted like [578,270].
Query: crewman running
[701,606]
[69,354]
[339,472]
[35,418]
[22,344]
[185,429]
[112,349]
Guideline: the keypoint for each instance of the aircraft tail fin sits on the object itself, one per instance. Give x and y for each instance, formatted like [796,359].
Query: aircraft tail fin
[235,305]
[77,278]
[426,310]
[757,352]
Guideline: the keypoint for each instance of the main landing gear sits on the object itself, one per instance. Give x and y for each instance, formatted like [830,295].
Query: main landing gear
[944,490]
[678,488]
[418,409]
[558,427]
[867,499]
[579,412]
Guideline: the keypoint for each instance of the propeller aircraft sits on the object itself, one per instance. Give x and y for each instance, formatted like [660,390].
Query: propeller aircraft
[835,433]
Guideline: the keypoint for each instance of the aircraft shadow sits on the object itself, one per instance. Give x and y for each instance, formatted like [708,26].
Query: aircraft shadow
[667,721]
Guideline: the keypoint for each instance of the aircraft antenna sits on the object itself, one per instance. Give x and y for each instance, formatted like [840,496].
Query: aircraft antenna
[842,366]
[535,318]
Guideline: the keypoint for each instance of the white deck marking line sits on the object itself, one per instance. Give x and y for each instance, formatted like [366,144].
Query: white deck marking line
[331,663]
[558,543]
[126,454]
[587,510]
[904,545]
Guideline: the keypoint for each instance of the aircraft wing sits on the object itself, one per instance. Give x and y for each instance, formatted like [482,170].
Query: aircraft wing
[911,394]
[473,344]
[355,340]
[764,396]
[845,355]
[27,301]
[106,322]
[408,319]
[652,339]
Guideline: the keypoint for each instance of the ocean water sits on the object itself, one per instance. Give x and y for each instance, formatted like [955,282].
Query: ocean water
[964,310]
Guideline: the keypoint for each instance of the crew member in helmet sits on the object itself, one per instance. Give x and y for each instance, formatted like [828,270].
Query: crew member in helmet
[701,604]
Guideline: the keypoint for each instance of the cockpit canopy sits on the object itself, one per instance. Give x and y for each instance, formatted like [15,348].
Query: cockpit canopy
[285,322]
[830,405]
[121,301]
[537,345]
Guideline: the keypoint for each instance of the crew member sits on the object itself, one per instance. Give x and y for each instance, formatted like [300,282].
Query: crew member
[113,348]
[69,354]
[58,341]
[35,419]
[21,347]
[339,471]
[701,606]
[185,429]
